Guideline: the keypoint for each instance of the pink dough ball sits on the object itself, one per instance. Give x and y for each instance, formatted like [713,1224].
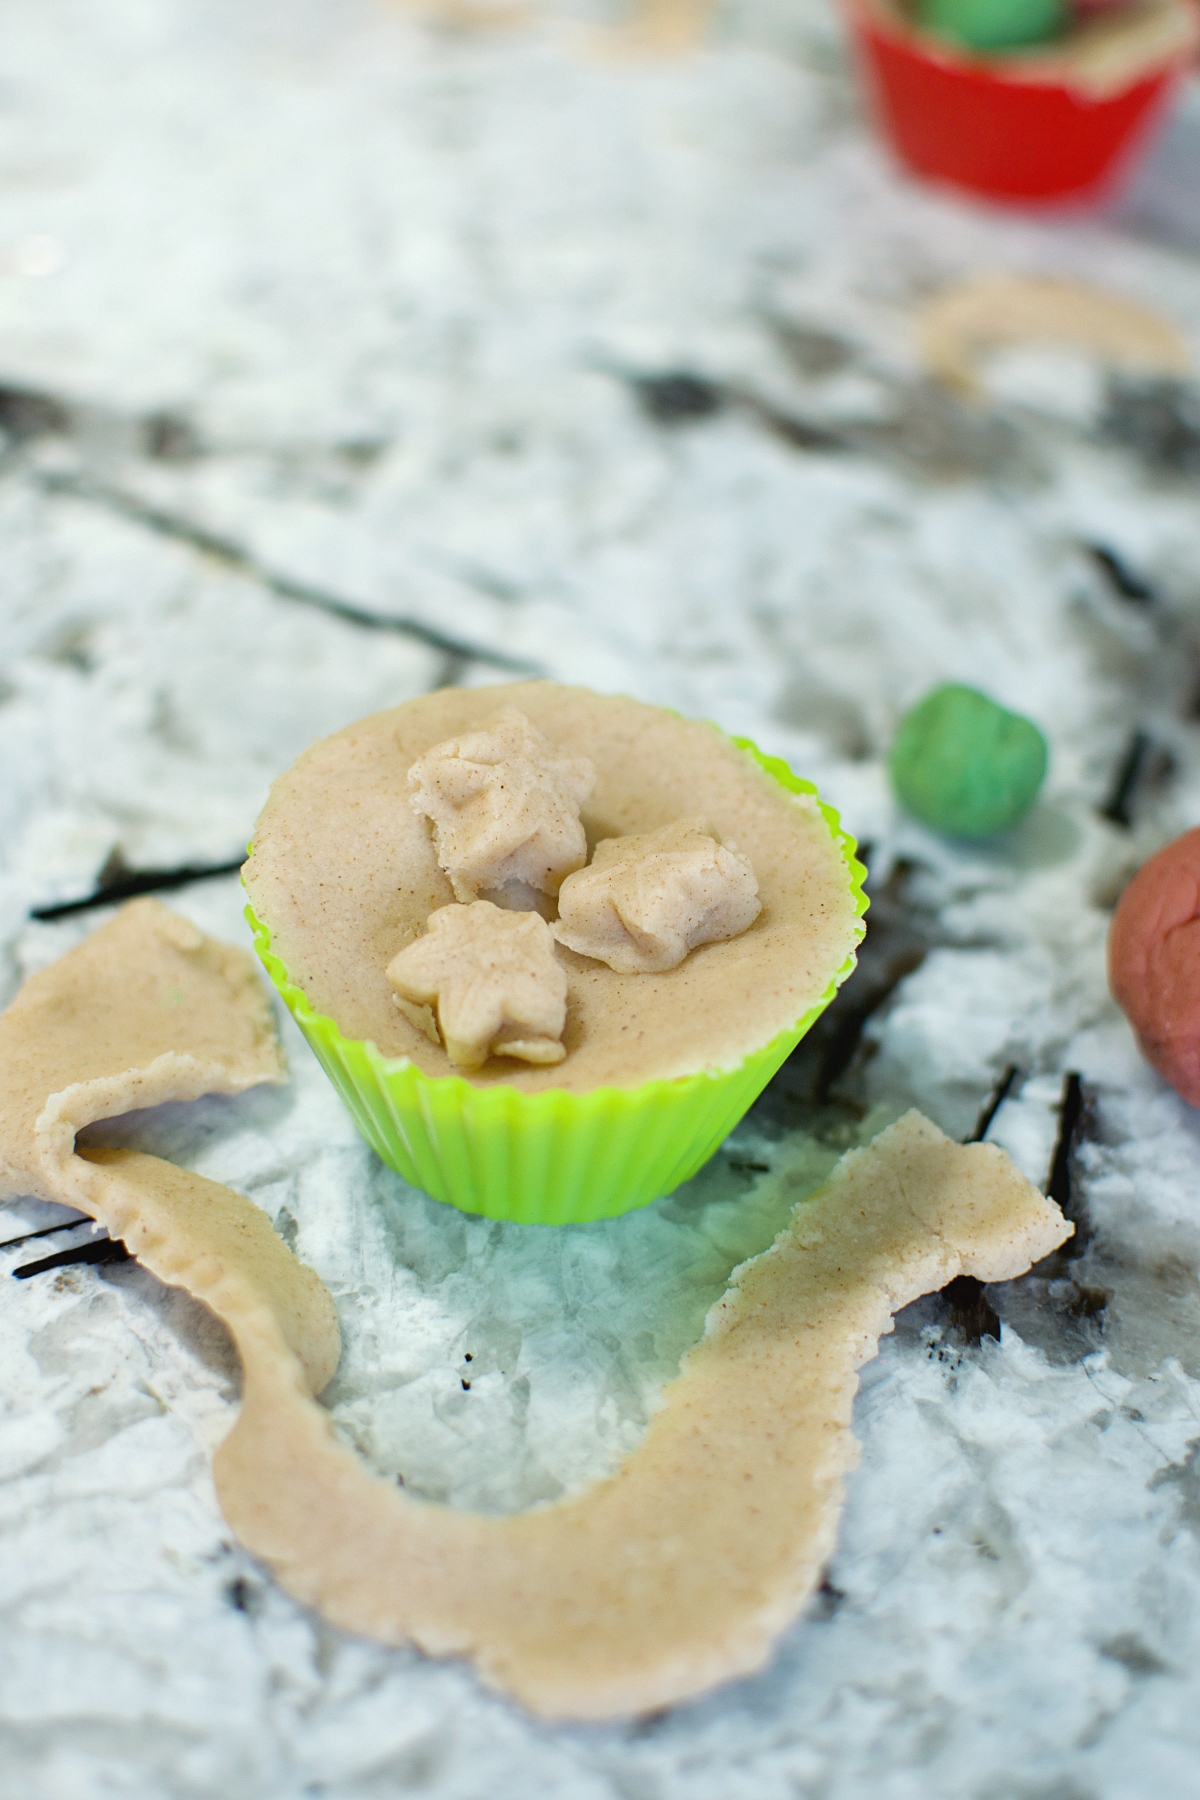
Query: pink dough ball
[1154,962]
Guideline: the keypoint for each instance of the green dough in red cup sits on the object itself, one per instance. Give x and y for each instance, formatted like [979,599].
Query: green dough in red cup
[1154,962]
[693,990]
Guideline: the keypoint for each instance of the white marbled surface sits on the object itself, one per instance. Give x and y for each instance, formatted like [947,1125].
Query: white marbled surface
[337,304]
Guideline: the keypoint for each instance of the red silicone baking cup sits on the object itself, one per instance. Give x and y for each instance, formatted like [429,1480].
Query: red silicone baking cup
[961,120]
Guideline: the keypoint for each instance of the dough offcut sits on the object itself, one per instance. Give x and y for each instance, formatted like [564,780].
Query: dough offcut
[677,1572]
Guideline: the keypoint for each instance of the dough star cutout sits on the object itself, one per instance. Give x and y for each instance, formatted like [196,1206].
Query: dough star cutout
[676,1573]
[646,900]
[504,804]
[486,982]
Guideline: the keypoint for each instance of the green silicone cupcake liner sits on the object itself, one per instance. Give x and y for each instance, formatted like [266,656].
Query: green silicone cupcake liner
[553,1157]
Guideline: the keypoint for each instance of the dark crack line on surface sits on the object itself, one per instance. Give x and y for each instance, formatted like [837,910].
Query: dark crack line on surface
[679,397]
[1157,420]
[847,1034]
[1065,1191]
[27,1237]
[453,669]
[27,413]
[993,1103]
[243,1595]
[928,433]
[895,946]
[231,554]
[1143,761]
[1060,1186]
[1117,807]
[95,1250]
[1125,582]
[676,397]
[1075,1304]
[135,882]
[853,1008]
[971,1312]
[797,433]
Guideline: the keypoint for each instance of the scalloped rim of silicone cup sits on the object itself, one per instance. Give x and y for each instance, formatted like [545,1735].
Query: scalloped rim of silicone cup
[550,1102]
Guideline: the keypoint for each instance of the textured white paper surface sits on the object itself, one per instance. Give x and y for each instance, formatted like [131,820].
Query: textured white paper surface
[344,304]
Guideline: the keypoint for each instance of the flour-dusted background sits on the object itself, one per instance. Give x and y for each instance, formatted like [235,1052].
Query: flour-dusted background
[325,318]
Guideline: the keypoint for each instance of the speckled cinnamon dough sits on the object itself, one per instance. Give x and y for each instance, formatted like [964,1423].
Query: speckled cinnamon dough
[677,1572]
[344,874]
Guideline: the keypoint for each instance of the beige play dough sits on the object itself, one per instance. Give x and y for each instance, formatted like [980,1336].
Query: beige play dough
[643,902]
[146,1010]
[345,875]
[504,806]
[1105,55]
[677,1572]
[959,326]
[485,982]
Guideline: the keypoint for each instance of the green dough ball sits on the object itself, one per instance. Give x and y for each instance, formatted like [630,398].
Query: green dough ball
[993,24]
[964,765]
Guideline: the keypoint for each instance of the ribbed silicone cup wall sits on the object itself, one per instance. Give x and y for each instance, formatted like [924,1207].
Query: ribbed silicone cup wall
[550,1158]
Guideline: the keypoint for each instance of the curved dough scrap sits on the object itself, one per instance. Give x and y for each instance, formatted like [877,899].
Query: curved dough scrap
[148,1009]
[957,327]
[681,1569]
[677,1572]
